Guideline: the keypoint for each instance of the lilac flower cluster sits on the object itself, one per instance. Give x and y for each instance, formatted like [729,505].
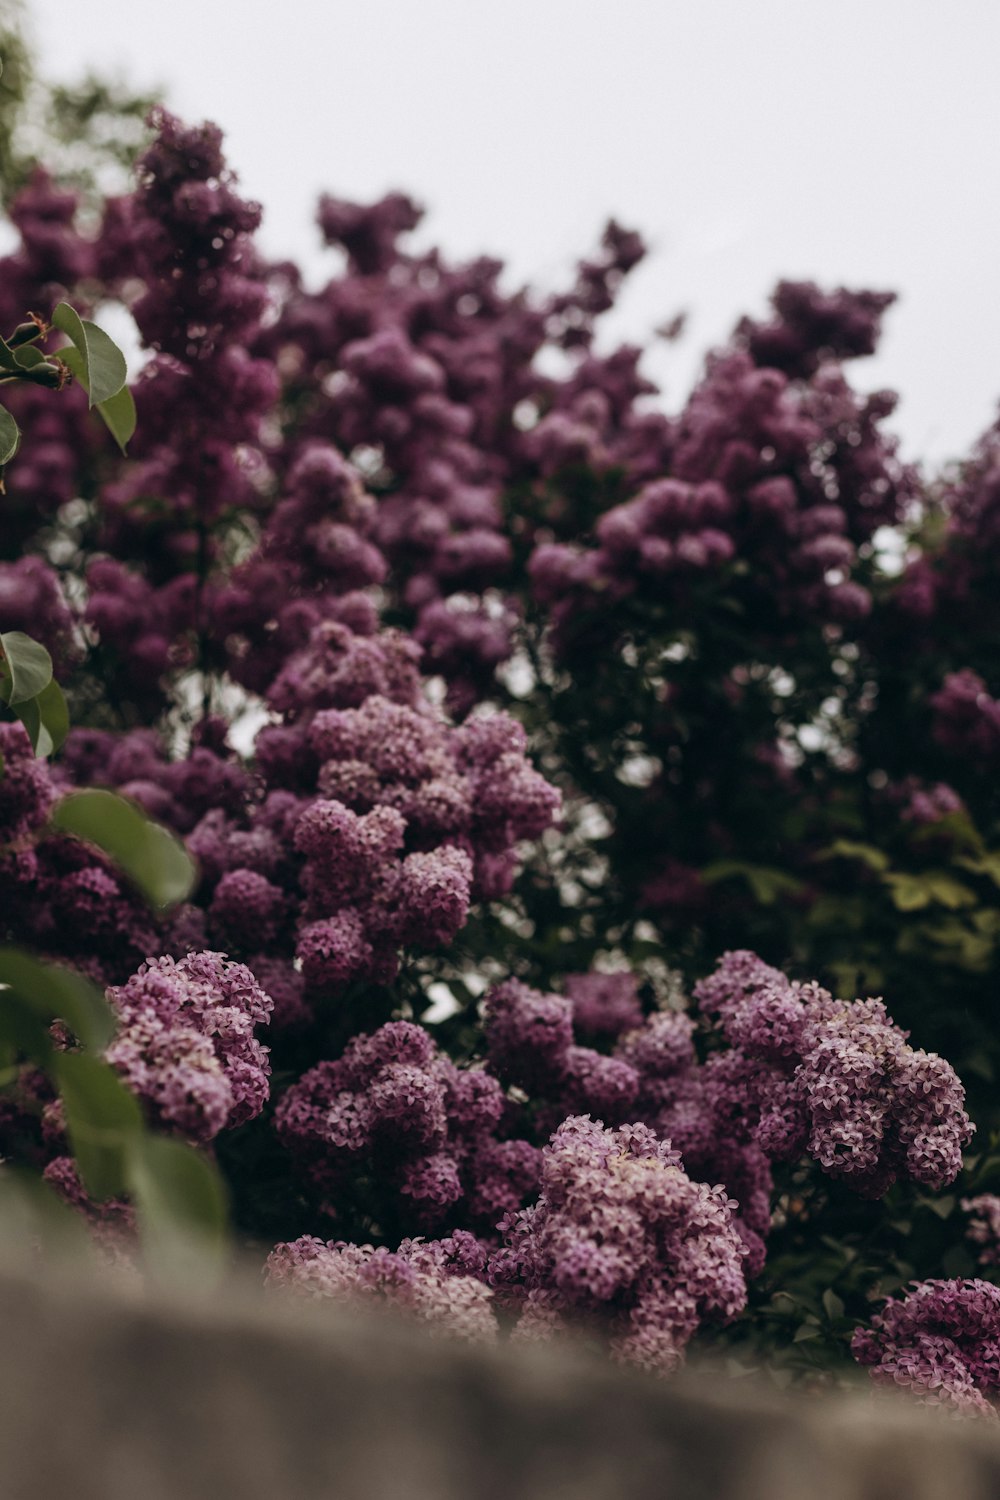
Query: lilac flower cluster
[413,821]
[428,1280]
[966,719]
[185,1043]
[32,600]
[62,896]
[530,1043]
[178,251]
[424,371]
[941,1341]
[621,1237]
[924,804]
[395,1109]
[744,483]
[809,326]
[604,1004]
[314,555]
[208,780]
[653,1076]
[26,791]
[837,1080]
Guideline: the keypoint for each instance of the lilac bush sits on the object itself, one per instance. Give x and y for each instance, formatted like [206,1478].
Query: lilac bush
[492,706]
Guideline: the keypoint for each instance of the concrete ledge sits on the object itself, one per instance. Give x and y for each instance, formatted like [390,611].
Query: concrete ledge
[109,1394]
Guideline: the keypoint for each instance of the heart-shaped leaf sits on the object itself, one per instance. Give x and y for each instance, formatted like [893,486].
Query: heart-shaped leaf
[151,855]
[104,368]
[26,670]
[117,412]
[9,436]
[181,1203]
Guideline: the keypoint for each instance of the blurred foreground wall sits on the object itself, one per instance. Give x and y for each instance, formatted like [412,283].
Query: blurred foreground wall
[109,1394]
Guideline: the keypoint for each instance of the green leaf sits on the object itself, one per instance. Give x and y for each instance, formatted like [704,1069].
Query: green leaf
[53,993]
[908,892]
[149,854]
[851,849]
[9,436]
[118,415]
[948,891]
[182,1208]
[104,368]
[957,826]
[767,884]
[988,864]
[103,1120]
[117,412]
[46,718]
[27,667]
[22,1033]
[28,357]
[833,1305]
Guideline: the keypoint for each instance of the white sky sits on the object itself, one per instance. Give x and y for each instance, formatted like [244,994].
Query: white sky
[851,141]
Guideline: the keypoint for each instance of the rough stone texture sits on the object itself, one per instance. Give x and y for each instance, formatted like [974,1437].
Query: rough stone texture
[108,1393]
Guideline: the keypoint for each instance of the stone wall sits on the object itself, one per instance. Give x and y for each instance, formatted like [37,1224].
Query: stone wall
[109,1394]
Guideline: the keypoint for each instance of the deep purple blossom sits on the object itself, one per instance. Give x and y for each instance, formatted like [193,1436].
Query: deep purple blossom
[186,1045]
[941,1341]
[620,1236]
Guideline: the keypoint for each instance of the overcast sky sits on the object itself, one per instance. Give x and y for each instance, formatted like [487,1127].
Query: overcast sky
[851,141]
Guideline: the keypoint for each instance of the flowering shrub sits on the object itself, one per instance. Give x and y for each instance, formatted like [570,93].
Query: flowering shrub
[555,771]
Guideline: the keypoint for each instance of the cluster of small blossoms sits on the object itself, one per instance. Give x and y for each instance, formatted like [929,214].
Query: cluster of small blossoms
[604,1004]
[208,780]
[435,1282]
[691,1104]
[809,326]
[620,1237]
[951,588]
[984,1226]
[62,896]
[178,251]
[26,791]
[52,255]
[315,548]
[143,631]
[941,1342]
[396,1110]
[32,600]
[371,826]
[408,820]
[966,719]
[744,483]
[424,373]
[530,1044]
[808,1073]
[924,803]
[185,1044]
[652,1076]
